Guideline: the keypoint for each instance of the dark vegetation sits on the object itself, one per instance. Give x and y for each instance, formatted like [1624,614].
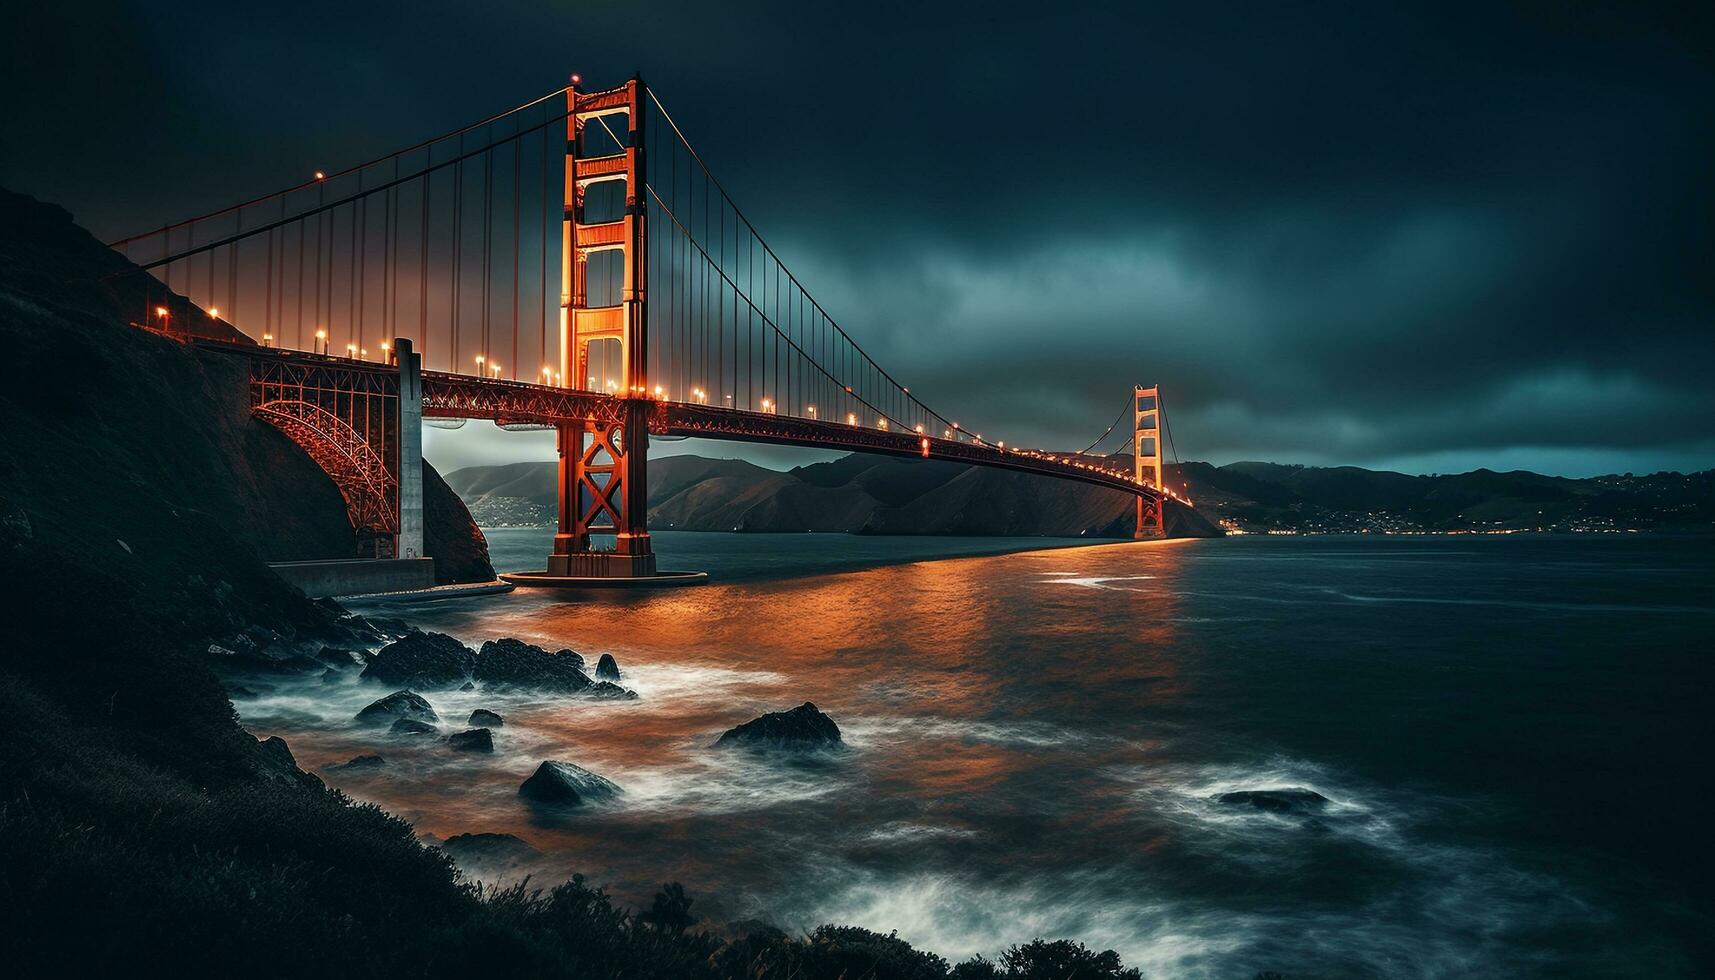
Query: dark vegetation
[140,826]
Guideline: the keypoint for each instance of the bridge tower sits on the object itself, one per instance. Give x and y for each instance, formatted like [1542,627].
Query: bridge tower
[1151,514]
[603,481]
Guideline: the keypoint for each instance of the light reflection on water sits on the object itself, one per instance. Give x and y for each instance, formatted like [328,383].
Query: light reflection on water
[1036,741]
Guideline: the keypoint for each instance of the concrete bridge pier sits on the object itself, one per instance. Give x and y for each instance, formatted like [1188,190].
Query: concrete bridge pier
[410,364]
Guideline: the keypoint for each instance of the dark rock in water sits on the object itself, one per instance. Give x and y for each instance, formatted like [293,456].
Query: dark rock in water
[330,675]
[276,762]
[607,668]
[484,718]
[490,849]
[422,660]
[610,691]
[1294,800]
[359,764]
[411,726]
[564,784]
[572,655]
[388,626]
[475,740]
[399,704]
[804,727]
[340,658]
[509,663]
[467,686]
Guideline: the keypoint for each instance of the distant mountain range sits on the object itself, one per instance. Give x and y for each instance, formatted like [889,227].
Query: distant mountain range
[856,493]
[883,495]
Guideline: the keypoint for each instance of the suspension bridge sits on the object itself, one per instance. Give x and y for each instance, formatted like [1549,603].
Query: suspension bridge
[570,264]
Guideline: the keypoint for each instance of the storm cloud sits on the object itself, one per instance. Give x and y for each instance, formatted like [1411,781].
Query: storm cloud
[1432,239]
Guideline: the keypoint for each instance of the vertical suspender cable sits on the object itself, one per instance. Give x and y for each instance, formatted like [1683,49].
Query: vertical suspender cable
[517,185]
[424,229]
[458,256]
[487,247]
[357,281]
[542,303]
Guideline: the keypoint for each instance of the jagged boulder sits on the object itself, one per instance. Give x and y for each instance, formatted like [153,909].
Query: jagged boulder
[484,718]
[488,849]
[607,668]
[411,726]
[564,784]
[1291,800]
[510,663]
[610,691]
[399,704]
[803,728]
[475,740]
[275,761]
[572,655]
[361,763]
[422,660]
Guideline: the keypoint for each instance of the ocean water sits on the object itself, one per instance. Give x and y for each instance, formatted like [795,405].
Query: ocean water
[1513,735]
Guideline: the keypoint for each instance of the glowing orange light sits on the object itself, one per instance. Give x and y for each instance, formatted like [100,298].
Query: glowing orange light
[925,444]
[214,313]
[320,175]
[160,311]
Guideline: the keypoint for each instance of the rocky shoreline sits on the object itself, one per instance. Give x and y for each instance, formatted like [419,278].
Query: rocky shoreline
[389,653]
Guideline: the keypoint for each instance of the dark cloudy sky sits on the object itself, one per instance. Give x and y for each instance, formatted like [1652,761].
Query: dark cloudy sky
[1430,240]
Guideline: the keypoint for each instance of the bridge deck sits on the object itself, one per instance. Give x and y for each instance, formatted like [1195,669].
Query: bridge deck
[462,396]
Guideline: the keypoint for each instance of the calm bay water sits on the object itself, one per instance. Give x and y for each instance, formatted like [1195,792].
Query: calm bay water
[1514,734]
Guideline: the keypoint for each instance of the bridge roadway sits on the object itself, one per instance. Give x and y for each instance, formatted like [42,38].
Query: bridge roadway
[462,396]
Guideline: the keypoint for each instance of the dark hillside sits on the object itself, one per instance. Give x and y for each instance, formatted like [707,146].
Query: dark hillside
[858,494]
[100,415]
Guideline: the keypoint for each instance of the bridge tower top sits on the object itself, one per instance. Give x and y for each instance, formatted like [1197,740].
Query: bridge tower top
[610,124]
[1146,466]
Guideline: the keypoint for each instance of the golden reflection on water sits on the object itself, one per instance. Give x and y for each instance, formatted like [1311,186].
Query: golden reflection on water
[963,688]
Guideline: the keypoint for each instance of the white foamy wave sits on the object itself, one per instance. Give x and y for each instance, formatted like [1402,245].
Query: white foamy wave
[1094,581]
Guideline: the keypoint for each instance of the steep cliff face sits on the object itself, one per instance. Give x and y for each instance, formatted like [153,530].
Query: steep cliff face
[110,433]
[459,549]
